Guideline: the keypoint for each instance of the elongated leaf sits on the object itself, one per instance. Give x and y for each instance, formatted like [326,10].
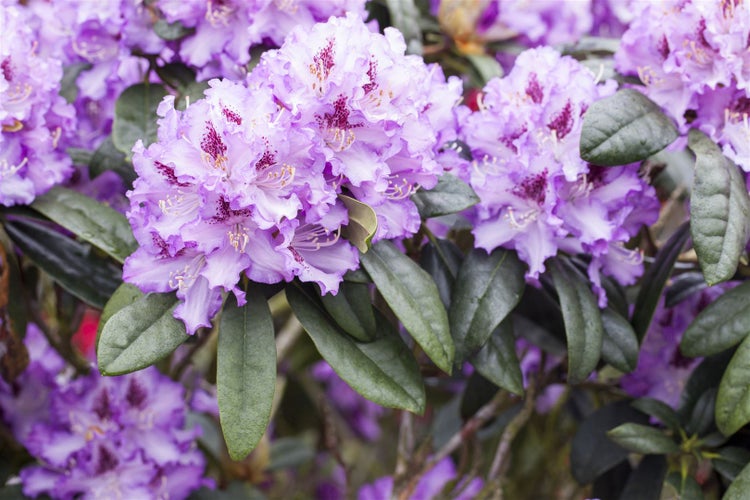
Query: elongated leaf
[70,263]
[659,410]
[352,310]
[414,298]
[683,286]
[100,225]
[624,128]
[363,223]
[107,157]
[719,326]
[583,320]
[383,371]
[449,196]
[125,295]
[135,116]
[702,417]
[497,360]
[245,372]
[740,486]
[685,488]
[487,289]
[139,335]
[733,400]
[405,18]
[643,439]
[486,66]
[705,377]
[655,279]
[647,480]
[719,210]
[591,451]
[619,344]
[731,461]
[442,260]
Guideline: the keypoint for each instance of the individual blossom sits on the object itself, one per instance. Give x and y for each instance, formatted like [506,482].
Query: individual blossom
[36,122]
[537,195]
[361,415]
[662,371]
[232,186]
[381,114]
[693,58]
[430,486]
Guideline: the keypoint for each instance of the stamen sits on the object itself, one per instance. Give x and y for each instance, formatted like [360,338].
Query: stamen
[180,204]
[7,170]
[238,237]
[399,188]
[315,237]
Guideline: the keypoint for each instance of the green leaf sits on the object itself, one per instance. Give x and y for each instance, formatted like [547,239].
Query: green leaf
[245,372]
[497,360]
[719,210]
[592,452]
[654,280]
[731,461]
[619,344]
[135,116]
[70,263]
[289,452]
[733,400]
[176,75]
[352,310]
[740,486]
[125,295]
[659,410]
[487,289]
[441,259]
[363,223]
[583,321]
[685,488]
[139,335]
[705,377]
[171,31]
[383,371]
[192,92]
[414,299]
[405,18]
[643,439]
[107,157]
[683,286]
[647,480]
[68,84]
[79,156]
[486,66]
[721,325]
[100,225]
[16,308]
[702,417]
[449,196]
[624,128]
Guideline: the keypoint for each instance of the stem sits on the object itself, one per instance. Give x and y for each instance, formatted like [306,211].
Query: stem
[287,337]
[405,443]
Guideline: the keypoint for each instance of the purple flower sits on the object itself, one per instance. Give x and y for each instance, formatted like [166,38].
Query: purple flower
[537,195]
[36,122]
[362,415]
[430,486]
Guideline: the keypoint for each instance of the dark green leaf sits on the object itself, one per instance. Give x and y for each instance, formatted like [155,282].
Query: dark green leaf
[125,295]
[135,116]
[16,308]
[583,320]
[702,417]
[70,263]
[486,66]
[68,85]
[245,372]
[107,157]
[497,360]
[441,260]
[100,225]
[192,92]
[171,31]
[352,310]
[487,289]
[290,452]
[363,223]
[624,128]
[592,452]
[477,393]
[705,377]
[659,410]
[358,276]
[683,286]
[176,75]
[719,210]
[733,400]
[383,371]
[619,344]
[647,480]
[643,439]
[731,461]
[414,298]
[139,335]
[740,486]
[655,279]
[79,156]
[685,488]
[449,196]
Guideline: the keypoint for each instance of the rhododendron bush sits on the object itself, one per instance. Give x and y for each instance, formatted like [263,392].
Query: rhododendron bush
[374,249]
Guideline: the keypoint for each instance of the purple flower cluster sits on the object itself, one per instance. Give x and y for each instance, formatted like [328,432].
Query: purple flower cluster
[96,437]
[537,195]
[35,120]
[248,180]
[361,415]
[662,370]
[226,30]
[694,59]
